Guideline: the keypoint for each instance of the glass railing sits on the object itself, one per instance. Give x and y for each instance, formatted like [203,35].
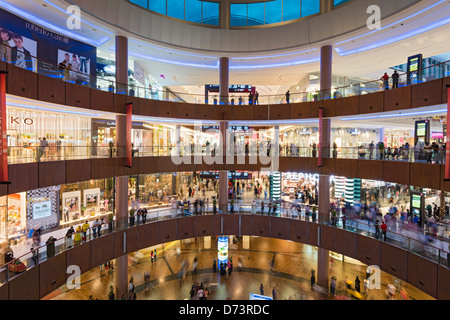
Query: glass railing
[28,154]
[69,75]
[415,243]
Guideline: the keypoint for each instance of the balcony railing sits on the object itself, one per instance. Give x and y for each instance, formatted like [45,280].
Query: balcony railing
[402,237]
[437,71]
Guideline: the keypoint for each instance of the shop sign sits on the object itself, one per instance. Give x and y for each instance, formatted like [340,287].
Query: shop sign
[18,120]
[42,209]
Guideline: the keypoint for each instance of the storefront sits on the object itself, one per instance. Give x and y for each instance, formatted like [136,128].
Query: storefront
[86,200]
[397,137]
[67,136]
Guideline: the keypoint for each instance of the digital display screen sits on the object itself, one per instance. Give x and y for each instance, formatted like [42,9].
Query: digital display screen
[416,201]
[421,130]
[414,64]
[42,209]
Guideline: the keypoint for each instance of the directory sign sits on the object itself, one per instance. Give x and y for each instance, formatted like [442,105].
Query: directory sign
[422,131]
[417,207]
[414,69]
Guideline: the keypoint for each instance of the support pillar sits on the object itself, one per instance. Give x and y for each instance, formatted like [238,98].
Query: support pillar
[323,255]
[224,14]
[224,88]
[326,64]
[121,205]
[121,64]
[223,175]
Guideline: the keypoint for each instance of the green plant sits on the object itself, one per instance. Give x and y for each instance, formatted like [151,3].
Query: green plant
[83,208]
[111,217]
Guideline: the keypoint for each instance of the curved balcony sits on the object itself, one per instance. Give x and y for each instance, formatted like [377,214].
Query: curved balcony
[399,256]
[97,94]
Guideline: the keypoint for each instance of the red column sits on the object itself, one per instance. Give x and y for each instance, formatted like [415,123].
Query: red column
[121,64]
[3,127]
[224,90]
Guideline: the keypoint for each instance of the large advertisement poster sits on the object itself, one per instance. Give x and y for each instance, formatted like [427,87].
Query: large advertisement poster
[25,41]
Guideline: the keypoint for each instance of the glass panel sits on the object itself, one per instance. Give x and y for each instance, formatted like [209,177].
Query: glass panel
[142,3]
[273,11]
[291,9]
[193,11]
[175,9]
[238,15]
[310,7]
[339,2]
[255,13]
[211,13]
[158,6]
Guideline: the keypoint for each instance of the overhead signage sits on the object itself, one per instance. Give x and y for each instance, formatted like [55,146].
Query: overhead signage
[233,88]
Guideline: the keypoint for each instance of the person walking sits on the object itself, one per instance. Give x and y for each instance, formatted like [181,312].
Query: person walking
[214,265]
[274,294]
[288,95]
[256,97]
[357,284]
[384,230]
[151,256]
[262,207]
[69,234]
[95,227]
[261,289]
[377,229]
[85,228]
[333,286]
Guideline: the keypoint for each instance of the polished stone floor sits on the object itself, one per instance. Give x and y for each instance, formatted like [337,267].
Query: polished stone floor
[290,275]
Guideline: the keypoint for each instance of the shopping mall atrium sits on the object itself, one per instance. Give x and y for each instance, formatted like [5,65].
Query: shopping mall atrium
[224,150]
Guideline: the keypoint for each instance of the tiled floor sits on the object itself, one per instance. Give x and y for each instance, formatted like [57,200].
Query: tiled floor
[290,276]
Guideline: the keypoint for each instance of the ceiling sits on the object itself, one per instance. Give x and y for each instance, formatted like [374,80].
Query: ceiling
[424,28]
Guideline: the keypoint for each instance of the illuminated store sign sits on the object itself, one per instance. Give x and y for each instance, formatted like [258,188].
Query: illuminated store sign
[42,209]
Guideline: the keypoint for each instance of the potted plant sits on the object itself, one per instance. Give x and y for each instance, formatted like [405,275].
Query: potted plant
[132,217]
[83,209]
[111,293]
[110,222]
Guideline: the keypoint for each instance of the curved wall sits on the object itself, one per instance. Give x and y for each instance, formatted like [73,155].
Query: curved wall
[165,31]
[41,280]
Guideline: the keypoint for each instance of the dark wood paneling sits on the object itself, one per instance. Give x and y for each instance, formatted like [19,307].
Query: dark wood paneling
[25,286]
[444,185]
[239,112]
[78,170]
[299,231]
[394,261]
[203,226]
[371,103]
[301,110]
[118,248]
[102,100]
[23,177]
[329,166]
[132,240]
[443,290]
[204,112]
[4,289]
[78,96]
[217,224]
[326,237]
[423,274]
[230,224]
[329,107]
[280,111]
[148,107]
[260,226]
[167,109]
[246,225]
[148,165]
[120,103]
[135,101]
[445,82]
[259,112]
[369,250]
[424,175]
[52,274]
[167,231]
[102,250]
[345,242]
[346,167]
[52,173]
[396,171]
[51,90]
[102,168]
[347,106]
[21,82]
[397,99]
[186,228]
[186,110]
[313,234]
[80,256]
[279,228]
[370,169]
[427,93]
[148,235]
[3,66]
